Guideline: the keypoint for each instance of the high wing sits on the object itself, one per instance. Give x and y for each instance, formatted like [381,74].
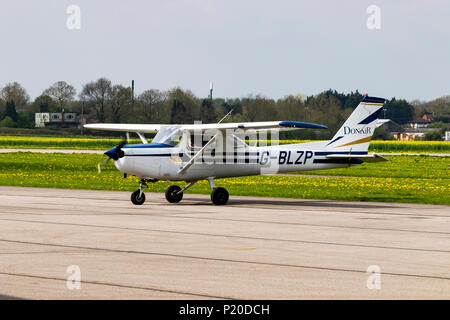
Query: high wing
[151,128]
[125,127]
[264,125]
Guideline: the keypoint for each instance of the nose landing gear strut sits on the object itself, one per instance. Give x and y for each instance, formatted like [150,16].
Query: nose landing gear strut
[138,196]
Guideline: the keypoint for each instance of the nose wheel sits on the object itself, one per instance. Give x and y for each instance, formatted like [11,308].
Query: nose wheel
[138,197]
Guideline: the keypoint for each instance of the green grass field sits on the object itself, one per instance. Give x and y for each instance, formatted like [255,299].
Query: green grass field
[414,179]
[422,167]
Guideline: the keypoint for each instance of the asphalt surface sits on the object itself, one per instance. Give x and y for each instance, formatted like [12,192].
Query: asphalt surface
[253,248]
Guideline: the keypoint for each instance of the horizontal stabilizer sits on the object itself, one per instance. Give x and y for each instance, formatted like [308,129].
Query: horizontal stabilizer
[380,122]
[372,157]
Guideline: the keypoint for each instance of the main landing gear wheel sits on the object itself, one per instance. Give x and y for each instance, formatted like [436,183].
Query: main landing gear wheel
[138,197]
[219,196]
[173,194]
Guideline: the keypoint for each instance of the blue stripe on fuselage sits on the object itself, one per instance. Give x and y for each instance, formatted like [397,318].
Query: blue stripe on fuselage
[155,155]
[146,145]
[326,153]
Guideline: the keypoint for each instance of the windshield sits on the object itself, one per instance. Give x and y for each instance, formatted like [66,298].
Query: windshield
[169,135]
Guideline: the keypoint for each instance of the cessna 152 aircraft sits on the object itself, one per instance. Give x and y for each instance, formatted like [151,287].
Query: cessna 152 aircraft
[193,152]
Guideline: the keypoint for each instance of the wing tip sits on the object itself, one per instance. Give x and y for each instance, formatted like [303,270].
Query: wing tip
[305,125]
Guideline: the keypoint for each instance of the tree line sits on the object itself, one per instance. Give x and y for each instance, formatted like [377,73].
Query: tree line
[103,101]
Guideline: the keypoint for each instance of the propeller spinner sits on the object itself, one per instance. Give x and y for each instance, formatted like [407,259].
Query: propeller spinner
[115,153]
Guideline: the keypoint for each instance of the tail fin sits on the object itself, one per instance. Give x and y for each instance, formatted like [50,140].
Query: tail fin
[357,131]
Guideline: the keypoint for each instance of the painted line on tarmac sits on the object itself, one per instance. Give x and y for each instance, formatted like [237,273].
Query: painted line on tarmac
[180,256]
[117,285]
[227,235]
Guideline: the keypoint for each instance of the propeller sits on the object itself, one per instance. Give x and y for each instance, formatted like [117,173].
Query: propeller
[115,153]
[102,164]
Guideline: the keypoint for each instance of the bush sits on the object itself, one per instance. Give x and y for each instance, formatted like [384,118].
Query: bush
[438,124]
[25,119]
[435,135]
[381,134]
[443,119]
[8,123]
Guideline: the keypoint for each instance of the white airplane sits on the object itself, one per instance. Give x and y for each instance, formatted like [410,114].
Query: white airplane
[196,152]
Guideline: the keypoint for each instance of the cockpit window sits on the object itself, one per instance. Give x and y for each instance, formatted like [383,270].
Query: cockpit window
[198,141]
[170,135]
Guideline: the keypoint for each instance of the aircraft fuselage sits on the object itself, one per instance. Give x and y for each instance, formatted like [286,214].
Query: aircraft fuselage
[165,163]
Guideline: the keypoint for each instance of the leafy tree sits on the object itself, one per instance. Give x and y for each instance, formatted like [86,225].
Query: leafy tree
[187,104]
[43,103]
[333,93]
[352,100]
[152,106]
[119,102]
[439,107]
[95,94]
[231,104]
[15,92]
[399,111]
[61,92]
[10,110]
[178,112]
[258,108]
[208,114]
[2,109]
[326,109]
[291,108]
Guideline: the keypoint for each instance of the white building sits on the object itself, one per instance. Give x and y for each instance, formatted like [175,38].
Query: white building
[40,119]
[55,118]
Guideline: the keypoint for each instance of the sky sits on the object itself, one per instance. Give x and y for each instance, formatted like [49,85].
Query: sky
[273,48]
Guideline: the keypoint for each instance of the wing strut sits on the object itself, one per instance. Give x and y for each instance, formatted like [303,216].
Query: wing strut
[226,116]
[198,154]
[142,137]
